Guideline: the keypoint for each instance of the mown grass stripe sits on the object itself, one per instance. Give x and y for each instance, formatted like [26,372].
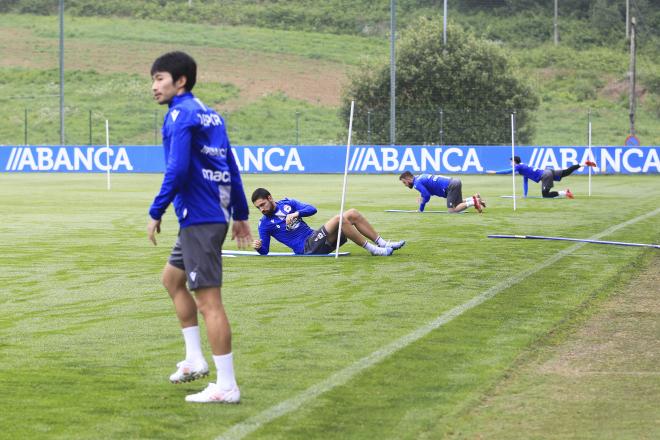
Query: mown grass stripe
[255,422]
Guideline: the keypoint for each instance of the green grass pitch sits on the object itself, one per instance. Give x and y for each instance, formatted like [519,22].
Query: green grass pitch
[88,336]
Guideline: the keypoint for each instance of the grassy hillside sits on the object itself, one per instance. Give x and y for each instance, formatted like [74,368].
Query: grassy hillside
[518,22]
[273,86]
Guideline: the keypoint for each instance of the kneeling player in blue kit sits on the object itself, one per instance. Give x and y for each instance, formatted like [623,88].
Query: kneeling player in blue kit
[546,177]
[450,188]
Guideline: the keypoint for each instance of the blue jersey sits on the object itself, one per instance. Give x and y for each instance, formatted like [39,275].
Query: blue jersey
[294,235]
[201,176]
[527,172]
[429,185]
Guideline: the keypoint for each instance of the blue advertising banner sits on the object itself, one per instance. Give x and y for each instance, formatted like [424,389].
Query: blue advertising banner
[374,159]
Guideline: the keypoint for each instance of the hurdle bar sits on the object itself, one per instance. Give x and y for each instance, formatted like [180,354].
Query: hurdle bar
[582,240]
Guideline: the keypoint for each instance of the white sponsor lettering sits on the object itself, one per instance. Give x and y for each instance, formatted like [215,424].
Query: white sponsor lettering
[214,151]
[607,161]
[409,160]
[445,159]
[428,161]
[472,160]
[269,159]
[652,160]
[216,176]
[568,157]
[69,159]
[208,120]
[549,160]
[388,159]
[626,158]
[612,160]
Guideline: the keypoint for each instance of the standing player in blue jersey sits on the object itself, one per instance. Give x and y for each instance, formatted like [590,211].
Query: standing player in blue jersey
[203,183]
[546,177]
[450,188]
[283,220]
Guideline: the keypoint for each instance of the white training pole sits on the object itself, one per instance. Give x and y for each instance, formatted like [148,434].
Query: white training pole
[343,190]
[590,153]
[107,144]
[513,154]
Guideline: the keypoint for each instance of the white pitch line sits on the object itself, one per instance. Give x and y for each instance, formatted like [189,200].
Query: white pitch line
[251,424]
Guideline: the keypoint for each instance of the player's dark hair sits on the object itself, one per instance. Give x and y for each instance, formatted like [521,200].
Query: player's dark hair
[516,159]
[406,174]
[260,193]
[177,64]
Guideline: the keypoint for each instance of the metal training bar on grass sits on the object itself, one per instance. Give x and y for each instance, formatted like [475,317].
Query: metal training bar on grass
[233,253]
[425,212]
[583,240]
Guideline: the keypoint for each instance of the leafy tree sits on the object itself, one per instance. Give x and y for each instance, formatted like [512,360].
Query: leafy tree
[471,81]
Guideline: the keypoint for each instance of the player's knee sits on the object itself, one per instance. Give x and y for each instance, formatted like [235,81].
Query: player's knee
[171,283]
[352,215]
[210,310]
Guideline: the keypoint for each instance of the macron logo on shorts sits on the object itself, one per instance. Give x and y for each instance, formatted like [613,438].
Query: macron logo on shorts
[193,275]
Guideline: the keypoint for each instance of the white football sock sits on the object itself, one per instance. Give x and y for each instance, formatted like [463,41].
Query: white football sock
[562,193]
[469,202]
[380,242]
[224,364]
[193,343]
[375,250]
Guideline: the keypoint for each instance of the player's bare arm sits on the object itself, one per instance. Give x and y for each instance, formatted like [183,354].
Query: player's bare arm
[153,228]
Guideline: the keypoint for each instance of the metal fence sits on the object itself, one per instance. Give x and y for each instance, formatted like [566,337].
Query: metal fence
[31,125]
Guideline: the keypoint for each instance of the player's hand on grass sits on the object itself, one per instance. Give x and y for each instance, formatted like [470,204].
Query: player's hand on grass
[153,228]
[240,231]
[256,244]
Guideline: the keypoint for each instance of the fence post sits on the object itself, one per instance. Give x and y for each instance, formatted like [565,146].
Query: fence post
[368,127]
[90,127]
[25,125]
[297,128]
[442,127]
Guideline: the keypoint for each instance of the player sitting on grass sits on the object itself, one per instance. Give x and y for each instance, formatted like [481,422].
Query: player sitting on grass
[450,188]
[284,221]
[546,177]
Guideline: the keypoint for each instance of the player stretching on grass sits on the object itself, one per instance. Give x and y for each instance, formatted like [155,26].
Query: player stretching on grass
[546,177]
[202,181]
[284,221]
[451,189]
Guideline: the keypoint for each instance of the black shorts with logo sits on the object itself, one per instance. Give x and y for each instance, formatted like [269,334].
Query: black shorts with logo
[198,252]
[548,179]
[318,244]
[454,193]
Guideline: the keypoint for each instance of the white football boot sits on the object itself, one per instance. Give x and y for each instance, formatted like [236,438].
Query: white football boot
[395,244]
[188,371]
[213,394]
